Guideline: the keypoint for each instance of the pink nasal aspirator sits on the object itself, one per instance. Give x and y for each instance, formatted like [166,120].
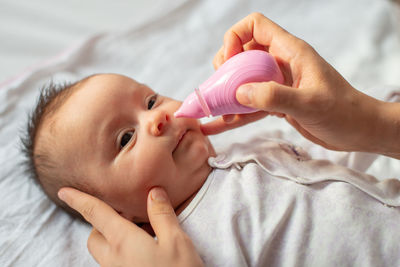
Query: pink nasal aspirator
[217,95]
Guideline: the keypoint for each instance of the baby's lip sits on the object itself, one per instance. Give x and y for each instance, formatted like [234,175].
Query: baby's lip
[179,139]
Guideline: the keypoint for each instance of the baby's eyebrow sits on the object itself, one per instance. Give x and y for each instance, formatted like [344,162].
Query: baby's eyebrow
[109,129]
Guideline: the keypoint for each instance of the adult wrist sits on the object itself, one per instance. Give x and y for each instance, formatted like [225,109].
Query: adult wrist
[387,137]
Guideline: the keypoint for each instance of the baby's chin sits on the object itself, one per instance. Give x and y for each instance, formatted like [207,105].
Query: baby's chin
[210,147]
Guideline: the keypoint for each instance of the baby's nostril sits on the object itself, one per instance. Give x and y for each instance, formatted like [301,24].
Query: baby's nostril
[159,126]
[166,117]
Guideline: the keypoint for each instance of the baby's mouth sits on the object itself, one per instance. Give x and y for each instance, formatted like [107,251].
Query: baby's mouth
[179,139]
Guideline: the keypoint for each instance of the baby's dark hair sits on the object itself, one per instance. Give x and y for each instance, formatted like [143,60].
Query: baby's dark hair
[40,162]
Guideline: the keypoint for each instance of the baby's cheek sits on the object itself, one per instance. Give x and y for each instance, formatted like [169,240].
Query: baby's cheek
[148,172]
[201,150]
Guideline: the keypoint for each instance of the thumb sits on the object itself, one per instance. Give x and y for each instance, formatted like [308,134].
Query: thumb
[269,96]
[161,214]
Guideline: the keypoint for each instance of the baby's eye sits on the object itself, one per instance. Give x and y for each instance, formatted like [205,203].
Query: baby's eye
[152,101]
[126,138]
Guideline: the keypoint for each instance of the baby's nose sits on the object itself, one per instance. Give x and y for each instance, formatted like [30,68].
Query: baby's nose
[159,123]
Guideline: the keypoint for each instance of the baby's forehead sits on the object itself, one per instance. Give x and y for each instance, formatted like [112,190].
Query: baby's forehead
[107,86]
[98,99]
[111,80]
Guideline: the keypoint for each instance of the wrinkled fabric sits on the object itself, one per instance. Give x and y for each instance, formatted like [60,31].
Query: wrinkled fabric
[267,203]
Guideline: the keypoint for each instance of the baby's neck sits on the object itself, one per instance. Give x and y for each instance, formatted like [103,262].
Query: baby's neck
[181,207]
[185,203]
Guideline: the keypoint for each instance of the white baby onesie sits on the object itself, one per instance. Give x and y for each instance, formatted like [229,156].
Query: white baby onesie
[267,203]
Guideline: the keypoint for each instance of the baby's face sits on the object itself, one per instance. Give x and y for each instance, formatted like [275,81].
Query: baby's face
[123,139]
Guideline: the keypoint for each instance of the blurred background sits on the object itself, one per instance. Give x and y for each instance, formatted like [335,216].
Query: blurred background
[34,31]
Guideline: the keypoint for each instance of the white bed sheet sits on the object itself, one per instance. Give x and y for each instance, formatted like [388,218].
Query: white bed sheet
[169,45]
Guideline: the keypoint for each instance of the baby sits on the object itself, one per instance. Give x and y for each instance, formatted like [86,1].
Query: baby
[114,138]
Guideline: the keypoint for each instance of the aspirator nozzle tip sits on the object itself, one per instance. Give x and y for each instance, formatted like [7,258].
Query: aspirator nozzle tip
[190,108]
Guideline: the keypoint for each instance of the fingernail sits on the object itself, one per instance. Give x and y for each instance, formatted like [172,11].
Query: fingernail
[228,118]
[244,94]
[225,53]
[61,195]
[159,195]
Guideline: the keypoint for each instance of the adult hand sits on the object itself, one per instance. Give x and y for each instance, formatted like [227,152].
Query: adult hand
[315,99]
[115,241]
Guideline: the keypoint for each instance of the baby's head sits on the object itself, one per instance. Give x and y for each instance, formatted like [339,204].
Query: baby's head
[114,138]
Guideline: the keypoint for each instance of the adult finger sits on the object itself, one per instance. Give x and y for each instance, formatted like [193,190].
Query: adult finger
[253,45]
[100,215]
[98,247]
[273,97]
[260,29]
[220,125]
[218,58]
[228,118]
[161,214]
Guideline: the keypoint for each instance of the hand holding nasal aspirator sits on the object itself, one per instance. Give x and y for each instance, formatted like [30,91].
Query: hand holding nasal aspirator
[217,95]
